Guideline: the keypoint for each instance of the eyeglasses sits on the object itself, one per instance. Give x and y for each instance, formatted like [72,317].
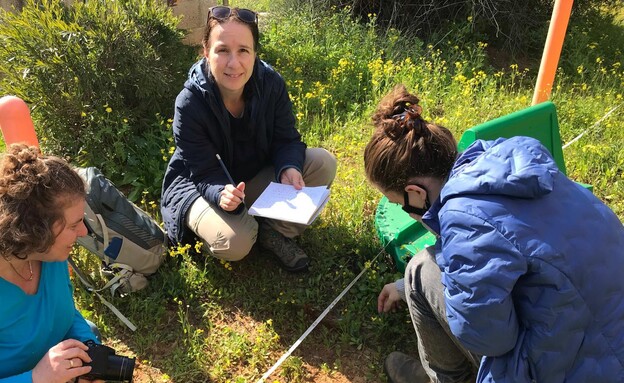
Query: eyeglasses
[222,12]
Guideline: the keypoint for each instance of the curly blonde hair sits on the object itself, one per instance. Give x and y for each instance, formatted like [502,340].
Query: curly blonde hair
[404,145]
[35,190]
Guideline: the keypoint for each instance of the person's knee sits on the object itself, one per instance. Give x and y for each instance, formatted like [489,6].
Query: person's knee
[321,167]
[419,269]
[412,273]
[234,245]
[237,251]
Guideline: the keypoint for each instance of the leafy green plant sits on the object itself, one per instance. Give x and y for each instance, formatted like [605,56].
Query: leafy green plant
[333,60]
[146,156]
[96,74]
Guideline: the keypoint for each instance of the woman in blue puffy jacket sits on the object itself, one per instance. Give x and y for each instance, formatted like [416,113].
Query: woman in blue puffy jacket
[525,282]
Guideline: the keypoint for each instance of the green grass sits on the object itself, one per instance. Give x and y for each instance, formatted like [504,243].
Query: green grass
[205,320]
[255,5]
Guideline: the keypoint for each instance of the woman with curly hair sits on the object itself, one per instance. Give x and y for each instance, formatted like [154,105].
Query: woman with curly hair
[524,283]
[41,210]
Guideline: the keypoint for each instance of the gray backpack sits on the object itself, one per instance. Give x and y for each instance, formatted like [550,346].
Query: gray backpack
[130,243]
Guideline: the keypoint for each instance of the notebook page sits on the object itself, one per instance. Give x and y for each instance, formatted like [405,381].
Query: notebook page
[284,202]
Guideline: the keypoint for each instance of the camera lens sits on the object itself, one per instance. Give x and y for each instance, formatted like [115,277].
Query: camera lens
[120,368]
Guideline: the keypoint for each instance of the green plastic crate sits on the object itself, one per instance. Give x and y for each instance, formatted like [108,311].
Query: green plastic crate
[408,236]
[538,121]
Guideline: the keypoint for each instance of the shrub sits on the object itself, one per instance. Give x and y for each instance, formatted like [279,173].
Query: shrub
[514,26]
[97,75]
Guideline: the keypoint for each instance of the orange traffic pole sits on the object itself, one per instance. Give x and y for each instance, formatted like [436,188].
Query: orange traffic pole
[15,122]
[552,50]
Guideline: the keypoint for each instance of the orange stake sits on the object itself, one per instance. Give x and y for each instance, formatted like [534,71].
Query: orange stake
[552,50]
[15,122]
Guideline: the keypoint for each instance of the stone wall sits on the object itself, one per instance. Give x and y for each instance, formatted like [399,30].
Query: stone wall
[192,13]
[8,4]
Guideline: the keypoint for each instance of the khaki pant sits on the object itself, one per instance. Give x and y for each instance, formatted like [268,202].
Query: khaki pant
[229,236]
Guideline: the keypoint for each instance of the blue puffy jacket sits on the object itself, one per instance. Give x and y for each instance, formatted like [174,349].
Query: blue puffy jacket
[201,128]
[533,267]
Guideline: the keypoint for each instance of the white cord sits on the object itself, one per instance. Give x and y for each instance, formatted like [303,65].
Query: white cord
[588,129]
[319,319]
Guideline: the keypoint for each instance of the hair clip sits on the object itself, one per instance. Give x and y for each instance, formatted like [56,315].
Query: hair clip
[408,114]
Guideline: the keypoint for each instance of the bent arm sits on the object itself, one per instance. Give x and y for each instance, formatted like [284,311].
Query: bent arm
[480,270]
[197,148]
[80,330]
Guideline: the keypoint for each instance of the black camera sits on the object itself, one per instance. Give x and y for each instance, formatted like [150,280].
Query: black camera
[105,365]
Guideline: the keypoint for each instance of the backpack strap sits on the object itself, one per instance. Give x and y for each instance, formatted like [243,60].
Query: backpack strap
[92,289]
[123,275]
[105,235]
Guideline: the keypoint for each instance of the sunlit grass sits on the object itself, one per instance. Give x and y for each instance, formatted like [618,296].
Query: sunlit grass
[255,5]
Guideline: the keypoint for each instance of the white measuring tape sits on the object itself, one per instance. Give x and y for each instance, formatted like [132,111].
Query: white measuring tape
[319,319]
[588,129]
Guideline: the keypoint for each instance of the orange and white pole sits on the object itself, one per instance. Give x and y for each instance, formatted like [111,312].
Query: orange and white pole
[552,50]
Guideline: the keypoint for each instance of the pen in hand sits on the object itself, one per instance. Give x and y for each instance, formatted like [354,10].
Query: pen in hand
[225,170]
[227,173]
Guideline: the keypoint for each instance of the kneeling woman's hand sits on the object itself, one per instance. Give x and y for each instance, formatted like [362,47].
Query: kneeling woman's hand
[62,363]
[291,176]
[232,196]
[389,299]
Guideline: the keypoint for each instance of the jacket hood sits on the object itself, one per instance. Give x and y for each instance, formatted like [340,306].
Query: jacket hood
[199,75]
[518,167]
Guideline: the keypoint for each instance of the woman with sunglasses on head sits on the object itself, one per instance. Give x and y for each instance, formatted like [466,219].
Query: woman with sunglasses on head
[524,283]
[237,107]
[41,209]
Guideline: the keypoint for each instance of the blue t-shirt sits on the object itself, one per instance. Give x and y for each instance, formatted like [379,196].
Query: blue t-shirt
[32,324]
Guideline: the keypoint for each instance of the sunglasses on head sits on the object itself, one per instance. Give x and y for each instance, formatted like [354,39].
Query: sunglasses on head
[222,12]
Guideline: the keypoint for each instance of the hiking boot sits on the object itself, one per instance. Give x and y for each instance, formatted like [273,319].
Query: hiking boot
[401,368]
[291,256]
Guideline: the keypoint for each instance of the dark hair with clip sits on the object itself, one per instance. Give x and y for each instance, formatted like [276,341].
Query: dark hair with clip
[404,145]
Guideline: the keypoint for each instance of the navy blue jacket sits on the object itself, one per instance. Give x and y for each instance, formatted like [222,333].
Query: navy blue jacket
[201,129]
[533,267]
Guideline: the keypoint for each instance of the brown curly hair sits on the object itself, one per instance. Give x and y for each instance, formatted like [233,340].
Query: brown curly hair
[404,145]
[35,190]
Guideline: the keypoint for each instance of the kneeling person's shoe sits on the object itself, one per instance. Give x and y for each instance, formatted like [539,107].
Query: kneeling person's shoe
[401,368]
[291,256]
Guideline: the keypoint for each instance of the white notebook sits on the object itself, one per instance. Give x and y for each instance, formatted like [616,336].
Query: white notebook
[285,203]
